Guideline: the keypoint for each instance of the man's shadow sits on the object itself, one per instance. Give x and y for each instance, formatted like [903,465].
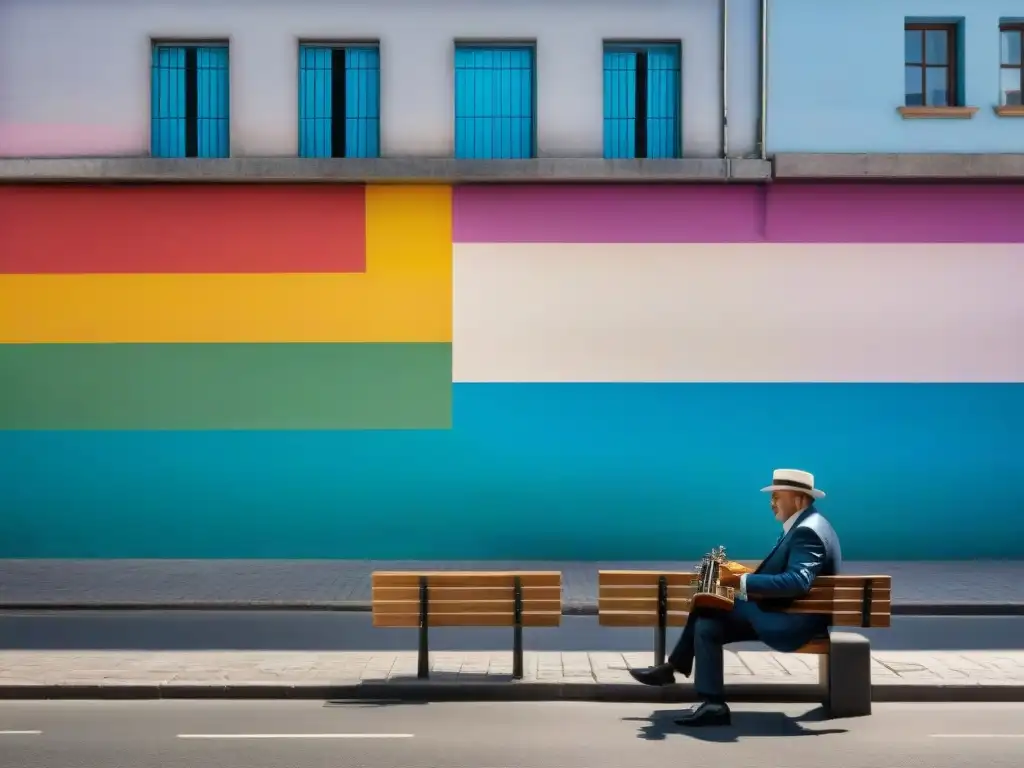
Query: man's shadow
[660,724]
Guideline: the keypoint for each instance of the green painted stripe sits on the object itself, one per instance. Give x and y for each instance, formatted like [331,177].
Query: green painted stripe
[225,386]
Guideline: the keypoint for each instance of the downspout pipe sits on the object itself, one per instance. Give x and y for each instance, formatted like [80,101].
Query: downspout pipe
[763,127]
[725,77]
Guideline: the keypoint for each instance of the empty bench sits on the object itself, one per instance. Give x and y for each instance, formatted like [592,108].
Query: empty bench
[662,599]
[423,600]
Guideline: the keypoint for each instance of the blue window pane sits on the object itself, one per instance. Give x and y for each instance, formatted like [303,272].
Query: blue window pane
[1010,86]
[167,123]
[641,101]
[339,101]
[190,104]
[493,102]
[912,88]
[662,102]
[212,101]
[936,43]
[936,87]
[1010,47]
[362,102]
[913,44]
[315,114]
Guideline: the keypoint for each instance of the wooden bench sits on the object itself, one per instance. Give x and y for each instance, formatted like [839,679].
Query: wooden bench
[661,600]
[514,599]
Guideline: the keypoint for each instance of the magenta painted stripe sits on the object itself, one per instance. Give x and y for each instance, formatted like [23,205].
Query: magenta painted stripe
[607,214]
[875,213]
[893,213]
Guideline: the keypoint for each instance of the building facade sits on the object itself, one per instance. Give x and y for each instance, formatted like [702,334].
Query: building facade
[522,280]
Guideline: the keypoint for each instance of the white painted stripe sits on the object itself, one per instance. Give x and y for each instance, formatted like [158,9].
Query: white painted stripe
[20,733]
[738,313]
[295,735]
[978,735]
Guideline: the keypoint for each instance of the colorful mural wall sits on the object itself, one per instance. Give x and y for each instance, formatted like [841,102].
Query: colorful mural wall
[507,372]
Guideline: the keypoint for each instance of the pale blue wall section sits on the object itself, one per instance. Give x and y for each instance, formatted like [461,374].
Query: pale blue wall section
[562,471]
[836,77]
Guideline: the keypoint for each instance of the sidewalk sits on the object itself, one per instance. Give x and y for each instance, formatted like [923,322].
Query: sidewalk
[954,587]
[897,676]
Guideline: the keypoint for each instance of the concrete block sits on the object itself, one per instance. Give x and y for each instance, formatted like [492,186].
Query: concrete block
[847,675]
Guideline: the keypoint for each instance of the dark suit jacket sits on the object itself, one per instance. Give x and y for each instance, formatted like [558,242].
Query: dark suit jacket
[810,549]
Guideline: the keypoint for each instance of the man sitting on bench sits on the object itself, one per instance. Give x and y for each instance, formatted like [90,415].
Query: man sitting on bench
[807,548]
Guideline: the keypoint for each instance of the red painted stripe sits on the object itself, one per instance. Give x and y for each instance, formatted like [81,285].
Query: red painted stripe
[175,229]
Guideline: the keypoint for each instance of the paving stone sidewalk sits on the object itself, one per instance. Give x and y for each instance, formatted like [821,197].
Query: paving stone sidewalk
[346,583]
[292,671]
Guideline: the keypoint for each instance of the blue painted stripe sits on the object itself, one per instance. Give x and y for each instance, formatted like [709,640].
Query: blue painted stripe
[570,471]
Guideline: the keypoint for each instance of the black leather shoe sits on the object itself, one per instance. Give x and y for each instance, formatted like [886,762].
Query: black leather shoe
[706,713]
[663,674]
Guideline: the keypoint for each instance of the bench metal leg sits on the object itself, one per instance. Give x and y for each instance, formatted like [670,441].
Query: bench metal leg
[846,674]
[423,660]
[517,630]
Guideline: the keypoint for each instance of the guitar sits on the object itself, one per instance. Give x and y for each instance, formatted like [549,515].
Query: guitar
[708,590]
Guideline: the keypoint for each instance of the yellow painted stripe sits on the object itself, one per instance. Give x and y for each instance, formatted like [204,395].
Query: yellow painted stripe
[405,295]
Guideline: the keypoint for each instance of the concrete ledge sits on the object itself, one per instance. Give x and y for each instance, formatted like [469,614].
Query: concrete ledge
[898,166]
[384,170]
[510,691]
[357,606]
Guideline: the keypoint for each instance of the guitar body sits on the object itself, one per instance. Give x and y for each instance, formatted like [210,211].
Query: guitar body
[708,590]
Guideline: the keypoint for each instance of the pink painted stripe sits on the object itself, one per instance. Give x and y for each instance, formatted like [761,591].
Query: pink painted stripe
[820,213]
[607,214]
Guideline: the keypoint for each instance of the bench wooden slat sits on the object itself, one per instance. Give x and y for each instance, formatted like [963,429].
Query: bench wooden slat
[539,619]
[641,605]
[642,592]
[467,578]
[817,647]
[436,607]
[466,593]
[643,578]
[610,619]
[816,593]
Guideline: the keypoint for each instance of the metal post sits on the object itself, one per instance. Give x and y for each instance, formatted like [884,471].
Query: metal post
[659,638]
[763,127]
[423,671]
[517,629]
[724,5]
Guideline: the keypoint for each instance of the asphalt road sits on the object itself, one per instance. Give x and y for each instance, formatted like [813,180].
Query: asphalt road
[480,735]
[341,631]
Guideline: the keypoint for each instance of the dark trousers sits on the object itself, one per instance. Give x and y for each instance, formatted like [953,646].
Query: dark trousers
[702,644]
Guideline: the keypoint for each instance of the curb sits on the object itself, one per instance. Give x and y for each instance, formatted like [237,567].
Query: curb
[508,692]
[360,606]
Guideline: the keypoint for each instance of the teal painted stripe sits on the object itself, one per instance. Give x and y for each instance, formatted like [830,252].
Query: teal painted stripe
[225,386]
[569,471]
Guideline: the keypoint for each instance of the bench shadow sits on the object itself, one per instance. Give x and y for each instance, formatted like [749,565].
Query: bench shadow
[659,725]
[381,693]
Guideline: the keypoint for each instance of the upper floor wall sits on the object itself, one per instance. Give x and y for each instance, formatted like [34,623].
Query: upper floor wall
[838,73]
[75,74]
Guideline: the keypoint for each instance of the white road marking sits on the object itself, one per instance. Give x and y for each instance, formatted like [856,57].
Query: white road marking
[978,735]
[295,735]
[20,733]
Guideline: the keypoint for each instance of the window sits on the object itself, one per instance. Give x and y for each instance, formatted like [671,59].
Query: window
[190,101]
[641,101]
[1011,65]
[930,65]
[494,102]
[339,101]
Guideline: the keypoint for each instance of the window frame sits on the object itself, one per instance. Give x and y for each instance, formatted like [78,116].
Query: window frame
[952,73]
[1017,27]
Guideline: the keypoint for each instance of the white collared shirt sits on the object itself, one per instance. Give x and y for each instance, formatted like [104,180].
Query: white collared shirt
[741,593]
